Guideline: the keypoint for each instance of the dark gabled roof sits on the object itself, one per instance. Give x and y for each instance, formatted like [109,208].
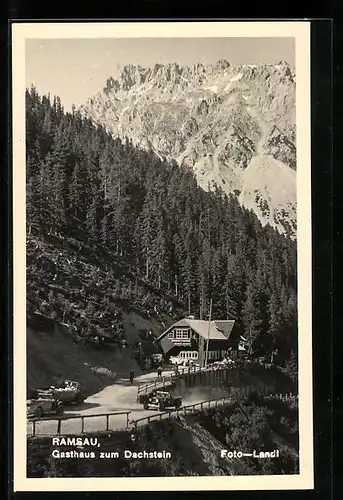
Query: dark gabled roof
[166,344]
[215,330]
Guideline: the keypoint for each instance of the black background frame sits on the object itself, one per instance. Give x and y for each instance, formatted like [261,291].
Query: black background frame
[323,37]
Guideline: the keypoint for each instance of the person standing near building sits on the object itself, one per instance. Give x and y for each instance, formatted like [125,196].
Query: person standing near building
[159,371]
[132,375]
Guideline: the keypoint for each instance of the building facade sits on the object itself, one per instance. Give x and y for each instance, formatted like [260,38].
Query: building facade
[188,339]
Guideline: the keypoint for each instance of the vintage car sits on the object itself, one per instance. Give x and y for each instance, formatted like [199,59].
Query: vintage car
[224,363]
[182,362]
[176,360]
[68,392]
[161,401]
[41,406]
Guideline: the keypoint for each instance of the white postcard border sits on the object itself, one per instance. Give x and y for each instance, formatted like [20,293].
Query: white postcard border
[300,30]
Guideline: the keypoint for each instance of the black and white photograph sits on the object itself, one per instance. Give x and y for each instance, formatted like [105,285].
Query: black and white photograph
[162,256]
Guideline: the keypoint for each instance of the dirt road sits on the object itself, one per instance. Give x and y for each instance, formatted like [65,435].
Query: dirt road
[121,396]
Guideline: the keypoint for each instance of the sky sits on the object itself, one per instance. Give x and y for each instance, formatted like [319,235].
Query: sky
[75,69]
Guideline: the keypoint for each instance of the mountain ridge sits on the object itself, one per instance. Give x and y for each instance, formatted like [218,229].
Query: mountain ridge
[214,119]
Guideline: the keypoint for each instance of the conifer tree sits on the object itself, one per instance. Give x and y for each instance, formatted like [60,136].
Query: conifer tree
[92,219]
[276,319]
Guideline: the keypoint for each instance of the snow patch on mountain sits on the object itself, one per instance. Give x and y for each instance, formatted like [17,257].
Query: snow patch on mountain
[213,88]
[269,189]
[236,77]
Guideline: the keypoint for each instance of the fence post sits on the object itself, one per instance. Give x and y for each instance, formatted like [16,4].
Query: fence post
[202,406]
[33,428]
[59,426]
[127,419]
[107,421]
[82,425]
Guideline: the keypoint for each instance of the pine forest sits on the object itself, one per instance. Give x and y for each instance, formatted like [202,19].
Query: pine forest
[167,237]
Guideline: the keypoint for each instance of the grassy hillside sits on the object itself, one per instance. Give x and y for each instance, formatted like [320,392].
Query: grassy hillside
[77,291]
[57,355]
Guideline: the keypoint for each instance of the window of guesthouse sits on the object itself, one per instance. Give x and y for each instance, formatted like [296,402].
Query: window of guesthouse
[182,333]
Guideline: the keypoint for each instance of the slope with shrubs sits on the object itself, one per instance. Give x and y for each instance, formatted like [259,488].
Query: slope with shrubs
[75,287]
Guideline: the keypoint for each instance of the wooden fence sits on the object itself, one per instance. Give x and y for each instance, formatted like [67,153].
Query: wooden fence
[60,420]
[286,398]
[211,403]
[134,424]
[162,382]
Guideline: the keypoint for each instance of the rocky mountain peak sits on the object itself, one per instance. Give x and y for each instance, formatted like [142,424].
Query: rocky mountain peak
[215,119]
[222,64]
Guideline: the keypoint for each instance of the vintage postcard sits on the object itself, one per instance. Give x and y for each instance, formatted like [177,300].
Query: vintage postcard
[162,256]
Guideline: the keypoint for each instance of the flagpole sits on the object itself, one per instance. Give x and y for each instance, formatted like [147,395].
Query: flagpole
[250,344]
[208,333]
[201,341]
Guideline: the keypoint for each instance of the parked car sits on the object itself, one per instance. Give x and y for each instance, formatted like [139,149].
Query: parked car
[43,406]
[176,360]
[68,391]
[224,363]
[161,401]
[188,363]
[183,362]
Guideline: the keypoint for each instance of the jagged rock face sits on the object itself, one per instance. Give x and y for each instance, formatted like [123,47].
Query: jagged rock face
[218,120]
